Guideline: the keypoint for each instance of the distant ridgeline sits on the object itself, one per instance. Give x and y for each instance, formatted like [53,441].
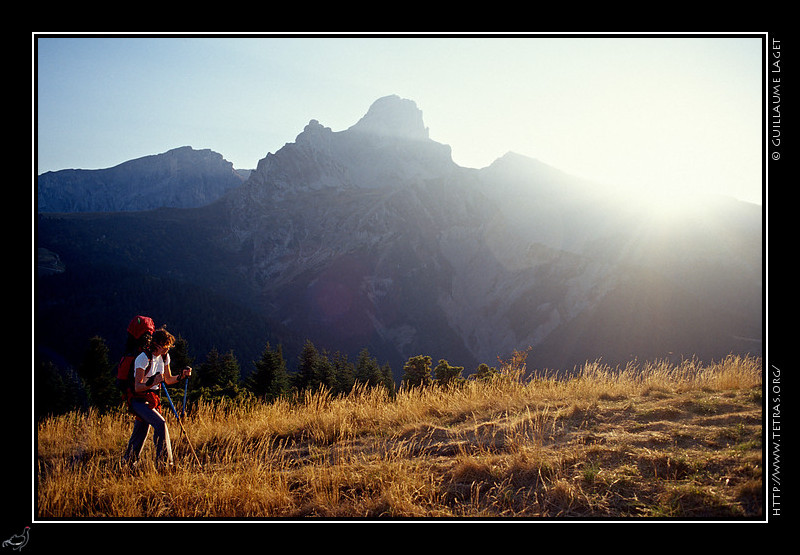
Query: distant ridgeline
[179,178]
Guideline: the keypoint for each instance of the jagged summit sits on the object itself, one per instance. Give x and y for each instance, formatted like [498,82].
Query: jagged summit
[388,146]
[312,130]
[395,117]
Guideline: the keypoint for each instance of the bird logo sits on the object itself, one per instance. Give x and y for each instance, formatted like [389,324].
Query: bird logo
[18,541]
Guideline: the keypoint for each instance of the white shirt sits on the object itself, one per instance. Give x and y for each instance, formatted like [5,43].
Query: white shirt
[156,367]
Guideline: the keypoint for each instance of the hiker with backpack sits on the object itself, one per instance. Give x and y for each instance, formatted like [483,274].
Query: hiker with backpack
[141,381]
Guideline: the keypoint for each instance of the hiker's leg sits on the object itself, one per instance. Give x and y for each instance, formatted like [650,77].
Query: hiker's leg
[162,442]
[152,417]
[136,442]
[160,434]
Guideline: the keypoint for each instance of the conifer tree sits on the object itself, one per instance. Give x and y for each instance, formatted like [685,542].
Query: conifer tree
[417,371]
[343,373]
[219,376]
[208,370]
[308,363]
[485,372]
[56,391]
[230,373]
[179,359]
[387,378]
[179,355]
[325,373]
[367,370]
[97,373]
[447,375]
[270,380]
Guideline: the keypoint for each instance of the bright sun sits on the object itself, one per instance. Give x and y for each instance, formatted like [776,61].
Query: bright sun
[670,209]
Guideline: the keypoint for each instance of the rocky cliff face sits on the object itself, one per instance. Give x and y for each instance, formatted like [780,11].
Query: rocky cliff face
[180,178]
[374,234]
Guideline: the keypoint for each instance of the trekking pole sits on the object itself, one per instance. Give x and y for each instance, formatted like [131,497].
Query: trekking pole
[175,412]
[185,392]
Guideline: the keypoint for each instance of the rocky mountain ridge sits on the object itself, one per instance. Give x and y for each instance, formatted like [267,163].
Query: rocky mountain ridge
[373,237]
[179,178]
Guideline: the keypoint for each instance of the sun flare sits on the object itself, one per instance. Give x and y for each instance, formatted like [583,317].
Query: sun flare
[673,207]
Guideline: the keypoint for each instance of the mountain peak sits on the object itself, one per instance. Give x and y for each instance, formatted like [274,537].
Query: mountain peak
[181,178]
[392,116]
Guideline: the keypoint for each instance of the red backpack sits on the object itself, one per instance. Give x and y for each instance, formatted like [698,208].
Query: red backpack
[138,327]
[141,325]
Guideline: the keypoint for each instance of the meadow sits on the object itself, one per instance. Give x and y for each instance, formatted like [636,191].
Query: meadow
[648,441]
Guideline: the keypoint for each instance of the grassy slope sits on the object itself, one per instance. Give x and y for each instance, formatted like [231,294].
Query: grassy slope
[650,440]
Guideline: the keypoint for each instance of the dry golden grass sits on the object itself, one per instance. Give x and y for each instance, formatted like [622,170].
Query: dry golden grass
[649,440]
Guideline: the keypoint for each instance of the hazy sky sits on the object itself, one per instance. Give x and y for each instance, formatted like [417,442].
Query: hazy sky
[665,114]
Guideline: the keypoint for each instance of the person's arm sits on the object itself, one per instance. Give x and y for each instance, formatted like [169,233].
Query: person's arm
[140,383]
[172,380]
